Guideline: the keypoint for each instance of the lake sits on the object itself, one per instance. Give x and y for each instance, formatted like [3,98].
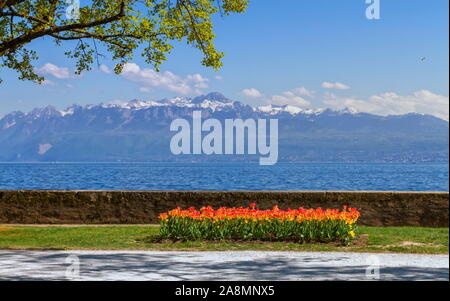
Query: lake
[225,176]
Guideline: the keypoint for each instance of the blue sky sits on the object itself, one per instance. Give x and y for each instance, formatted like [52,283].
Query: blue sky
[307,53]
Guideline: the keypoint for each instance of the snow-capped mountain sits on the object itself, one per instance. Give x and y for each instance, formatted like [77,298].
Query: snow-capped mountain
[139,131]
[214,102]
[274,110]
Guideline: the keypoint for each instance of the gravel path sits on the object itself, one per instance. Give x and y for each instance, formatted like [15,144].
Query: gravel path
[142,265]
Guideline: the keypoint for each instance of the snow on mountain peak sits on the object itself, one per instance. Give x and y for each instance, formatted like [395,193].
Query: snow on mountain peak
[68,111]
[48,111]
[214,105]
[293,110]
[349,110]
[212,97]
[178,101]
[274,110]
[213,101]
[269,109]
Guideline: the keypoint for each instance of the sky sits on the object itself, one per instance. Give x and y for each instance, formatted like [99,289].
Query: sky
[305,53]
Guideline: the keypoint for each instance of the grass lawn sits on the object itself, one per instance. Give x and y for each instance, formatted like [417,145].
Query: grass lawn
[370,239]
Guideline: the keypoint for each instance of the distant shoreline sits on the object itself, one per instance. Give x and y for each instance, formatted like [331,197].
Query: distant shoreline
[210,162]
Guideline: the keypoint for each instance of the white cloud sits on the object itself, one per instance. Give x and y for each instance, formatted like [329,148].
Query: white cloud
[56,71]
[337,86]
[198,81]
[422,102]
[304,92]
[192,84]
[219,77]
[105,69]
[145,90]
[289,98]
[252,93]
[292,98]
[48,82]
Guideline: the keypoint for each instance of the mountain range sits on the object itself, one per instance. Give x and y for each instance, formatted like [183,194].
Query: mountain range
[139,131]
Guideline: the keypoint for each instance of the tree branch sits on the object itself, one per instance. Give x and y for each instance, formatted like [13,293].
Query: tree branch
[193,24]
[27,37]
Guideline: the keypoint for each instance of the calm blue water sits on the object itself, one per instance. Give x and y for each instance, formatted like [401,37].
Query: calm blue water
[225,176]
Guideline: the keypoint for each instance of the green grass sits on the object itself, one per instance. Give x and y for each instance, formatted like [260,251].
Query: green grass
[370,239]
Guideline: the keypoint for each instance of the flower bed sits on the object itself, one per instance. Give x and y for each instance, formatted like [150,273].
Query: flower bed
[300,225]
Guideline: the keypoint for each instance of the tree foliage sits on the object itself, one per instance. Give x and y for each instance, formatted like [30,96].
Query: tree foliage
[122,27]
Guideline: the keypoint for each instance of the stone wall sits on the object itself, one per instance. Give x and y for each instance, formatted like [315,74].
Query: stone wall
[427,209]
